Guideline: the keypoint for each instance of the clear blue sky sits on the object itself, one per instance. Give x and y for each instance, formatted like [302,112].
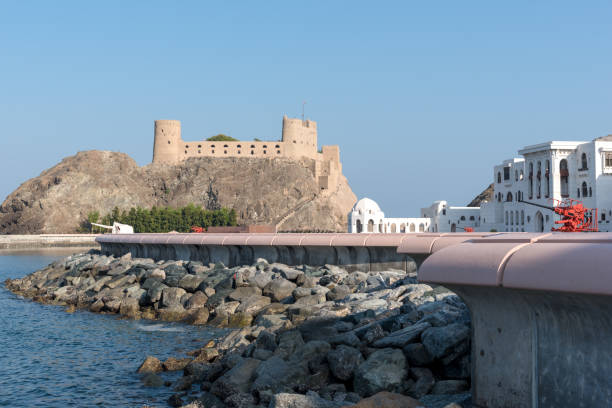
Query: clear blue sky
[422,97]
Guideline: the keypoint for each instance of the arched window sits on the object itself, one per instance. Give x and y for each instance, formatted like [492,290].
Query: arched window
[530,181]
[515,175]
[506,213]
[522,175]
[585,189]
[359,226]
[371,226]
[584,162]
[499,197]
[421,228]
[590,192]
[402,228]
[522,217]
[564,178]
[578,192]
[393,228]
[412,228]
[509,197]
[547,174]
[539,176]
[463,218]
[499,177]
[511,217]
[516,217]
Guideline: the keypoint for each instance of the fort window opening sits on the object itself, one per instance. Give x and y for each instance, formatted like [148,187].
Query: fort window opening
[199,152]
[252,152]
[547,174]
[264,152]
[294,141]
[239,146]
[462,218]
[168,142]
[506,173]
[371,226]
[530,180]
[186,146]
[278,151]
[212,146]
[539,176]
[472,218]
[509,197]
[238,151]
[498,177]
[185,151]
[590,192]
[564,178]
[277,146]
[225,151]
[199,146]
[585,189]
[578,192]
[584,162]
[265,147]
[515,175]
[252,146]
[213,152]
[224,145]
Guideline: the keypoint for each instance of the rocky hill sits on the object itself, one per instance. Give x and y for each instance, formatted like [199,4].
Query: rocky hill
[262,191]
[486,195]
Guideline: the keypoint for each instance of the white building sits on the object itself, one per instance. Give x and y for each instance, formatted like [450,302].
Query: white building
[547,174]
[366,216]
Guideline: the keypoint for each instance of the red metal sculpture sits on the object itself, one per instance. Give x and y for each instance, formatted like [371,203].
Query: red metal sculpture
[575,217]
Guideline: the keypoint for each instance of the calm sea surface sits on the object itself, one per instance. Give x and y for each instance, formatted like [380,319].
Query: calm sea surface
[50,358]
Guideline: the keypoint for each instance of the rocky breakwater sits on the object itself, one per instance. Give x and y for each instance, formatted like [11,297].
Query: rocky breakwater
[303,336]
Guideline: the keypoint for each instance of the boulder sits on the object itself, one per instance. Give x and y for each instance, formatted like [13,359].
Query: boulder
[150,365]
[424,381]
[206,354]
[240,400]
[260,279]
[387,400]
[417,355]
[286,272]
[343,361]
[238,379]
[130,308]
[384,370]
[311,300]
[373,333]
[155,292]
[227,308]
[120,281]
[402,337]
[239,319]
[266,341]
[450,387]
[306,281]
[171,297]
[244,292]
[275,375]
[301,292]
[198,316]
[175,364]
[184,383]
[288,342]
[175,401]
[155,273]
[196,301]
[279,289]
[253,304]
[338,292]
[286,400]
[440,341]
[173,314]
[190,282]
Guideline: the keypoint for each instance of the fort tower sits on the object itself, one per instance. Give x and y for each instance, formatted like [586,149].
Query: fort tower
[167,143]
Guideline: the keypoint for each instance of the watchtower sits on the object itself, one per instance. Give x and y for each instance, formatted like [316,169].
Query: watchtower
[300,137]
[167,144]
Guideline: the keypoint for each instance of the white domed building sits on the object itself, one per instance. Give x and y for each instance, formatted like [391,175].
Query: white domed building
[366,216]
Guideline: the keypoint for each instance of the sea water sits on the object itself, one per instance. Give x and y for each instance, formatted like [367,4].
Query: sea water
[50,358]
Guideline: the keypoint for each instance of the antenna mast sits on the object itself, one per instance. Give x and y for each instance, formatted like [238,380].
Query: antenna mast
[303,104]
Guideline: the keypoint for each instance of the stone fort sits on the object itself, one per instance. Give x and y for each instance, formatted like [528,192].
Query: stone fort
[299,141]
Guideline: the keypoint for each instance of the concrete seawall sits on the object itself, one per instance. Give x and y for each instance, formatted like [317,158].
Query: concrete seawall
[48,241]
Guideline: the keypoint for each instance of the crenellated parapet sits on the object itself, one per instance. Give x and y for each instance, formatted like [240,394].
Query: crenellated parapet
[298,141]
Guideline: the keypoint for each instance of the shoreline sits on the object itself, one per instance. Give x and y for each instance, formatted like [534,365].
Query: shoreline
[38,241]
[335,338]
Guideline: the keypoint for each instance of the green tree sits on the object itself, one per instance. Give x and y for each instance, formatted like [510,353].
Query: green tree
[221,138]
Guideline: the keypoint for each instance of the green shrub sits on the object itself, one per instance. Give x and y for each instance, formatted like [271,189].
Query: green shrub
[166,219]
[221,138]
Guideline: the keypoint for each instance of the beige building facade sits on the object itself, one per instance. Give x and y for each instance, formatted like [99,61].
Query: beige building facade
[299,140]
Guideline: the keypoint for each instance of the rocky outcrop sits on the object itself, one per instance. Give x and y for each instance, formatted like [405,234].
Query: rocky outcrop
[486,195]
[262,191]
[388,334]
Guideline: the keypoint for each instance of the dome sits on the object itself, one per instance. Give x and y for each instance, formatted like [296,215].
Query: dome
[365,206]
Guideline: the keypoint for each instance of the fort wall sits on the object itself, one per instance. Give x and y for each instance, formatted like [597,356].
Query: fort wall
[299,140]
